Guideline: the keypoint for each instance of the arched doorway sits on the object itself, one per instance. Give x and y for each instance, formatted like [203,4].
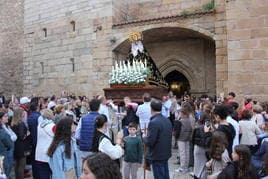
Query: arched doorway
[178,83]
[184,52]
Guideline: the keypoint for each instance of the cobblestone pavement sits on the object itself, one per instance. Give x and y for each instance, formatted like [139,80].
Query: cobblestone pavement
[172,167]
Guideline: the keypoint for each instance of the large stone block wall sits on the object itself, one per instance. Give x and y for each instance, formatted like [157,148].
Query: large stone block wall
[146,9]
[247,34]
[11,47]
[120,11]
[49,61]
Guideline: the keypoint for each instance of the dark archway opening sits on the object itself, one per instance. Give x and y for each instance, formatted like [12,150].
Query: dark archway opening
[178,83]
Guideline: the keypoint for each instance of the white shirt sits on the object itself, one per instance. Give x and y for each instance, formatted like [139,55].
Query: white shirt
[144,114]
[113,151]
[258,119]
[51,104]
[78,130]
[165,108]
[104,110]
[44,138]
[235,124]
[249,130]
[10,132]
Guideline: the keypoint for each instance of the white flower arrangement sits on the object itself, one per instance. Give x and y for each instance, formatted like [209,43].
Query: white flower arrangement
[122,73]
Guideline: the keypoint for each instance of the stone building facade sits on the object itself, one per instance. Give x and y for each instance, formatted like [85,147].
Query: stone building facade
[72,45]
[11,47]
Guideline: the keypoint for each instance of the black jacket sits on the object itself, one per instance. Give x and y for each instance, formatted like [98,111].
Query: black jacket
[158,140]
[229,132]
[231,172]
[20,144]
[130,117]
[198,137]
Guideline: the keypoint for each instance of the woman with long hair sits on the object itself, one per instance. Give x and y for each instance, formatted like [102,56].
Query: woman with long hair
[65,161]
[241,167]
[218,153]
[200,148]
[6,143]
[102,143]
[9,157]
[99,166]
[20,129]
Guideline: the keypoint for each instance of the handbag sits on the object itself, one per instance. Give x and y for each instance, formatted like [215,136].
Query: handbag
[70,174]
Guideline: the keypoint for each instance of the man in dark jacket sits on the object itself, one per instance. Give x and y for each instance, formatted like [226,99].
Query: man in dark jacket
[158,141]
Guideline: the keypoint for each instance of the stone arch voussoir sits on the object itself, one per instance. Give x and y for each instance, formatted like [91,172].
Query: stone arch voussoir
[122,37]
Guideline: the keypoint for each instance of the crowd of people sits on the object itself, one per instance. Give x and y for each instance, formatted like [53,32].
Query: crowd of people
[76,137]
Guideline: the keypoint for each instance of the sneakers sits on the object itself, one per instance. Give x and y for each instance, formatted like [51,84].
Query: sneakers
[191,174]
[181,170]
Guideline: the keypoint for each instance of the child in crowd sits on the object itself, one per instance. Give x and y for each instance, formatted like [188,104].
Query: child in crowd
[133,152]
[218,153]
[184,130]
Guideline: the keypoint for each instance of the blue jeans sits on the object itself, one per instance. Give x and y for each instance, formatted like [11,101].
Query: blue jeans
[160,169]
[8,162]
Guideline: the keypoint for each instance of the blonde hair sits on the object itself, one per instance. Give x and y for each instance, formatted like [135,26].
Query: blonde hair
[58,108]
[47,114]
[17,117]
[257,109]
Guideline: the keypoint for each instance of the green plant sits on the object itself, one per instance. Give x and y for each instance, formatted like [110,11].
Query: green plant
[209,6]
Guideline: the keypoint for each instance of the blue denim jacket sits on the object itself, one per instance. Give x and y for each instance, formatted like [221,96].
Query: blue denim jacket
[59,164]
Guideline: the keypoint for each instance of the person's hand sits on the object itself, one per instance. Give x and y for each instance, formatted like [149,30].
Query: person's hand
[120,135]
[206,129]
[144,135]
[208,164]
[109,101]
[119,141]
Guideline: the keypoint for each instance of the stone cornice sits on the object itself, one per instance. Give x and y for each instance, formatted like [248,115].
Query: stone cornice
[194,14]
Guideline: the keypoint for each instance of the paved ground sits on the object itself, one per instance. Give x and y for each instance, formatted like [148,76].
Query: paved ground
[172,167]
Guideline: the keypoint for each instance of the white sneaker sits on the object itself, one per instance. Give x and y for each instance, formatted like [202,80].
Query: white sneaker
[191,174]
[181,170]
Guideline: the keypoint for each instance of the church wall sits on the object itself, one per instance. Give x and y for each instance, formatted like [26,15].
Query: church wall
[247,33]
[11,47]
[48,61]
[77,61]
[147,9]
